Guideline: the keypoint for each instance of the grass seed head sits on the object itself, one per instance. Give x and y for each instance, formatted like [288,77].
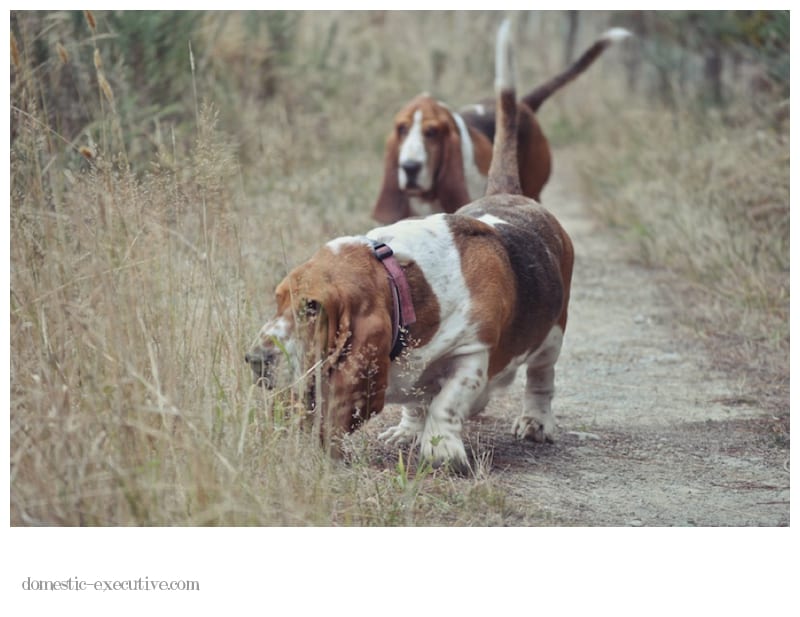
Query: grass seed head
[106,88]
[14,52]
[62,53]
[90,20]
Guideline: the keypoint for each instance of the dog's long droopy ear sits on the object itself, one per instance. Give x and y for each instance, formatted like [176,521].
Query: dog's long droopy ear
[360,342]
[392,204]
[451,184]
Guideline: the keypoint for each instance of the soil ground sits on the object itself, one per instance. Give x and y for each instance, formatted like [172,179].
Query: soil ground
[649,433]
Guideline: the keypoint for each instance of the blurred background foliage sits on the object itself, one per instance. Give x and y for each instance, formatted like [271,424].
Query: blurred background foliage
[245,59]
[723,41]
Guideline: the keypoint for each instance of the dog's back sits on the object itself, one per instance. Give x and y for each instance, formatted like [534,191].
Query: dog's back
[538,247]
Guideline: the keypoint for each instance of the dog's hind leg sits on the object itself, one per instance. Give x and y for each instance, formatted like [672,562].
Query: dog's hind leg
[536,421]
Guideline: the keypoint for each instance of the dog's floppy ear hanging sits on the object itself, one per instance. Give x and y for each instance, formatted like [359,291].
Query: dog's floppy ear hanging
[392,204]
[359,342]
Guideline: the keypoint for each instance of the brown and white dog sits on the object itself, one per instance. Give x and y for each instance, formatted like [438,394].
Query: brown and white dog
[472,296]
[436,159]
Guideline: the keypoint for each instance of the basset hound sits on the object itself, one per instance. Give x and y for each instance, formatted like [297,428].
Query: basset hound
[436,159]
[432,313]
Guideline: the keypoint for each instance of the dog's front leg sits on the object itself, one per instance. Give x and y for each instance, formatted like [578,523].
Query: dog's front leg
[441,441]
[409,429]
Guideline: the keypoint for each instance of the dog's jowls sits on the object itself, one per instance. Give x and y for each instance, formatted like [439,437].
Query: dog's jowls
[490,287]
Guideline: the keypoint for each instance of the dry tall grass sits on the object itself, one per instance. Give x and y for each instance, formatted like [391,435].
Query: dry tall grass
[707,197]
[145,249]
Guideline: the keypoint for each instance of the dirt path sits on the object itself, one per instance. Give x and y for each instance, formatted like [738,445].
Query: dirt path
[648,434]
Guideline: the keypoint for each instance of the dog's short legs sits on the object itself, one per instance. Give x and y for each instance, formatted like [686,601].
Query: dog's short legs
[409,429]
[479,404]
[462,390]
[537,422]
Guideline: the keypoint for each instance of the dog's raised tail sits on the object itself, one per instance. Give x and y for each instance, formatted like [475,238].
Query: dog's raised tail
[504,170]
[535,98]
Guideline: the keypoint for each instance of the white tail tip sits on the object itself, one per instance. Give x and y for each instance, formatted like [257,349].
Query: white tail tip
[504,70]
[616,34]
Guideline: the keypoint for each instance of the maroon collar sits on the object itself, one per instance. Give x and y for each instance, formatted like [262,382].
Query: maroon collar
[403,314]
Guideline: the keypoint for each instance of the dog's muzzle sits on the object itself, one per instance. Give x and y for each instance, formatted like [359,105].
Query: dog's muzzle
[411,170]
[262,361]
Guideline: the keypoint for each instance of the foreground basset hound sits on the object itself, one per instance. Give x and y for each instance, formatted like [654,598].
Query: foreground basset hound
[436,159]
[432,313]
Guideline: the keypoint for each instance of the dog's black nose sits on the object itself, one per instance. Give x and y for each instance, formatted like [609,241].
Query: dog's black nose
[411,168]
[262,362]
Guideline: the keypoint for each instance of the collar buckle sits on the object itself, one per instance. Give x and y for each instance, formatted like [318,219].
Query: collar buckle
[382,250]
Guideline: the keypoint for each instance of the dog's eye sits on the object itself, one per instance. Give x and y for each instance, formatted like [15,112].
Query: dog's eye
[430,132]
[310,309]
[402,129]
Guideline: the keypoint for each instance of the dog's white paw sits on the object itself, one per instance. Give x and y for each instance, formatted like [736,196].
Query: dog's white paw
[399,435]
[535,429]
[445,450]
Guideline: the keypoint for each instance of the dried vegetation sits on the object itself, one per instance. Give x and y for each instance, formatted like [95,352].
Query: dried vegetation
[156,203]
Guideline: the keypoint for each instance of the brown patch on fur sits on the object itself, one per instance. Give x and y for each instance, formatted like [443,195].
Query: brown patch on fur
[426,306]
[482,150]
[533,153]
[533,150]
[518,274]
[488,275]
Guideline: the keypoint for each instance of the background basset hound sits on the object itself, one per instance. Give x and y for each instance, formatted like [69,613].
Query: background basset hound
[489,286]
[436,159]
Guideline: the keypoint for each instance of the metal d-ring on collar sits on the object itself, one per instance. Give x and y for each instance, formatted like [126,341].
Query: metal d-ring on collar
[404,314]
